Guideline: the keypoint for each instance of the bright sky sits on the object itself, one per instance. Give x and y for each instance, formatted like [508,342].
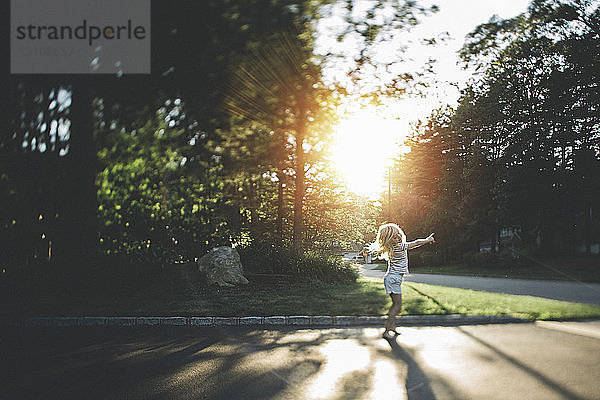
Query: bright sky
[458,18]
[368,139]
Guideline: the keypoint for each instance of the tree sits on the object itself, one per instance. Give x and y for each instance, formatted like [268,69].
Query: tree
[279,88]
[374,66]
[545,113]
[522,147]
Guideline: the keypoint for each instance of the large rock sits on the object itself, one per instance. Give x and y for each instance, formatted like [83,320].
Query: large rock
[222,266]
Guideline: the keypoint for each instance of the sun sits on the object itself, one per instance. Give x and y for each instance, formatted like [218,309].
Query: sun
[365,144]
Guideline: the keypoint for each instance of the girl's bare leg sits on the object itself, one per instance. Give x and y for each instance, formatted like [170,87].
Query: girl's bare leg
[390,324]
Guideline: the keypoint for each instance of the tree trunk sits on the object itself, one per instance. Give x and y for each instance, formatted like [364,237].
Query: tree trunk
[253,208]
[496,240]
[588,233]
[5,70]
[6,108]
[299,190]
[566,246]
[235,219]
[279,223]
[79,241]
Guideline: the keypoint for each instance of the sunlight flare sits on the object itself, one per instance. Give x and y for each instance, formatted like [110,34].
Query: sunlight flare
[343,359]
[366,142]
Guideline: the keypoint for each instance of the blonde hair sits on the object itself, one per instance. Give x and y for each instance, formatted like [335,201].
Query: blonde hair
[388,237]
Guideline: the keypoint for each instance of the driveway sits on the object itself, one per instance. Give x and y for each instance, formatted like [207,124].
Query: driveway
[578,292]
[488,362]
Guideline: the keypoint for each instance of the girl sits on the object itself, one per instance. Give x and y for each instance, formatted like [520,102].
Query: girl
[391,244]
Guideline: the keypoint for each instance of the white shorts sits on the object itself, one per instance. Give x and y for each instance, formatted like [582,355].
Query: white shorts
[393,283]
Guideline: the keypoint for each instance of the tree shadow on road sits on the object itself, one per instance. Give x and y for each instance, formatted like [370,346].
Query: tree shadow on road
[543,379]
[138,364]
[417,383]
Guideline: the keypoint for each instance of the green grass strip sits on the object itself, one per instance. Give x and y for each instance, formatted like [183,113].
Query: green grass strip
[465,301]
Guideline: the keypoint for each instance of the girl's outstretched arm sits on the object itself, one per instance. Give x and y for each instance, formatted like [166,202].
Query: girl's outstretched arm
[420,242]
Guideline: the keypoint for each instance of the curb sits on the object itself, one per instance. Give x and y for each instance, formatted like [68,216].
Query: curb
[268,321]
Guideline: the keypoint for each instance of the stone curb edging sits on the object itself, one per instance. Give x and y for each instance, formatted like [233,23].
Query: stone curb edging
[268,321]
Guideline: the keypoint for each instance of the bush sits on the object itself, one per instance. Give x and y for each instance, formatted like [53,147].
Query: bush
[264,258]
[481,260]
[331,269]
[261,257]
[424,259]
[502,259]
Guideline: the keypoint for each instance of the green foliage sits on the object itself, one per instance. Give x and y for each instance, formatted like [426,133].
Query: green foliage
[333,215]
[500,260]
[362,65]
[155,203]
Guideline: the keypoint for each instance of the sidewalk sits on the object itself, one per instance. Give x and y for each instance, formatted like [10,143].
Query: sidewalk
[369,270]
[266,321]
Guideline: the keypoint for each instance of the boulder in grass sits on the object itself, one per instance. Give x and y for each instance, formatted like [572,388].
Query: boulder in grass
[222,266]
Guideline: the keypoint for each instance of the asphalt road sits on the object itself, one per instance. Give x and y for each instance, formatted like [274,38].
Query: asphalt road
[513,361]
[578,292]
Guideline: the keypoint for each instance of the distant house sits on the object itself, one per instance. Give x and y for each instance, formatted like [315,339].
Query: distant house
[594,248]
[486,247]
[585,236]
[509,237]
[335,248]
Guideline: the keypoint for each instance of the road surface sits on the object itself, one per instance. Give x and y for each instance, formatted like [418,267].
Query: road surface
[531,361]
[578,292]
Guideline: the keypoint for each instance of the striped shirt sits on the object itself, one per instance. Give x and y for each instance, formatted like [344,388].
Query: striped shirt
[398,262]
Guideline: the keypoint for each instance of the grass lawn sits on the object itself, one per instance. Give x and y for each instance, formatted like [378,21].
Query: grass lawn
[464,301]
[189,297]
